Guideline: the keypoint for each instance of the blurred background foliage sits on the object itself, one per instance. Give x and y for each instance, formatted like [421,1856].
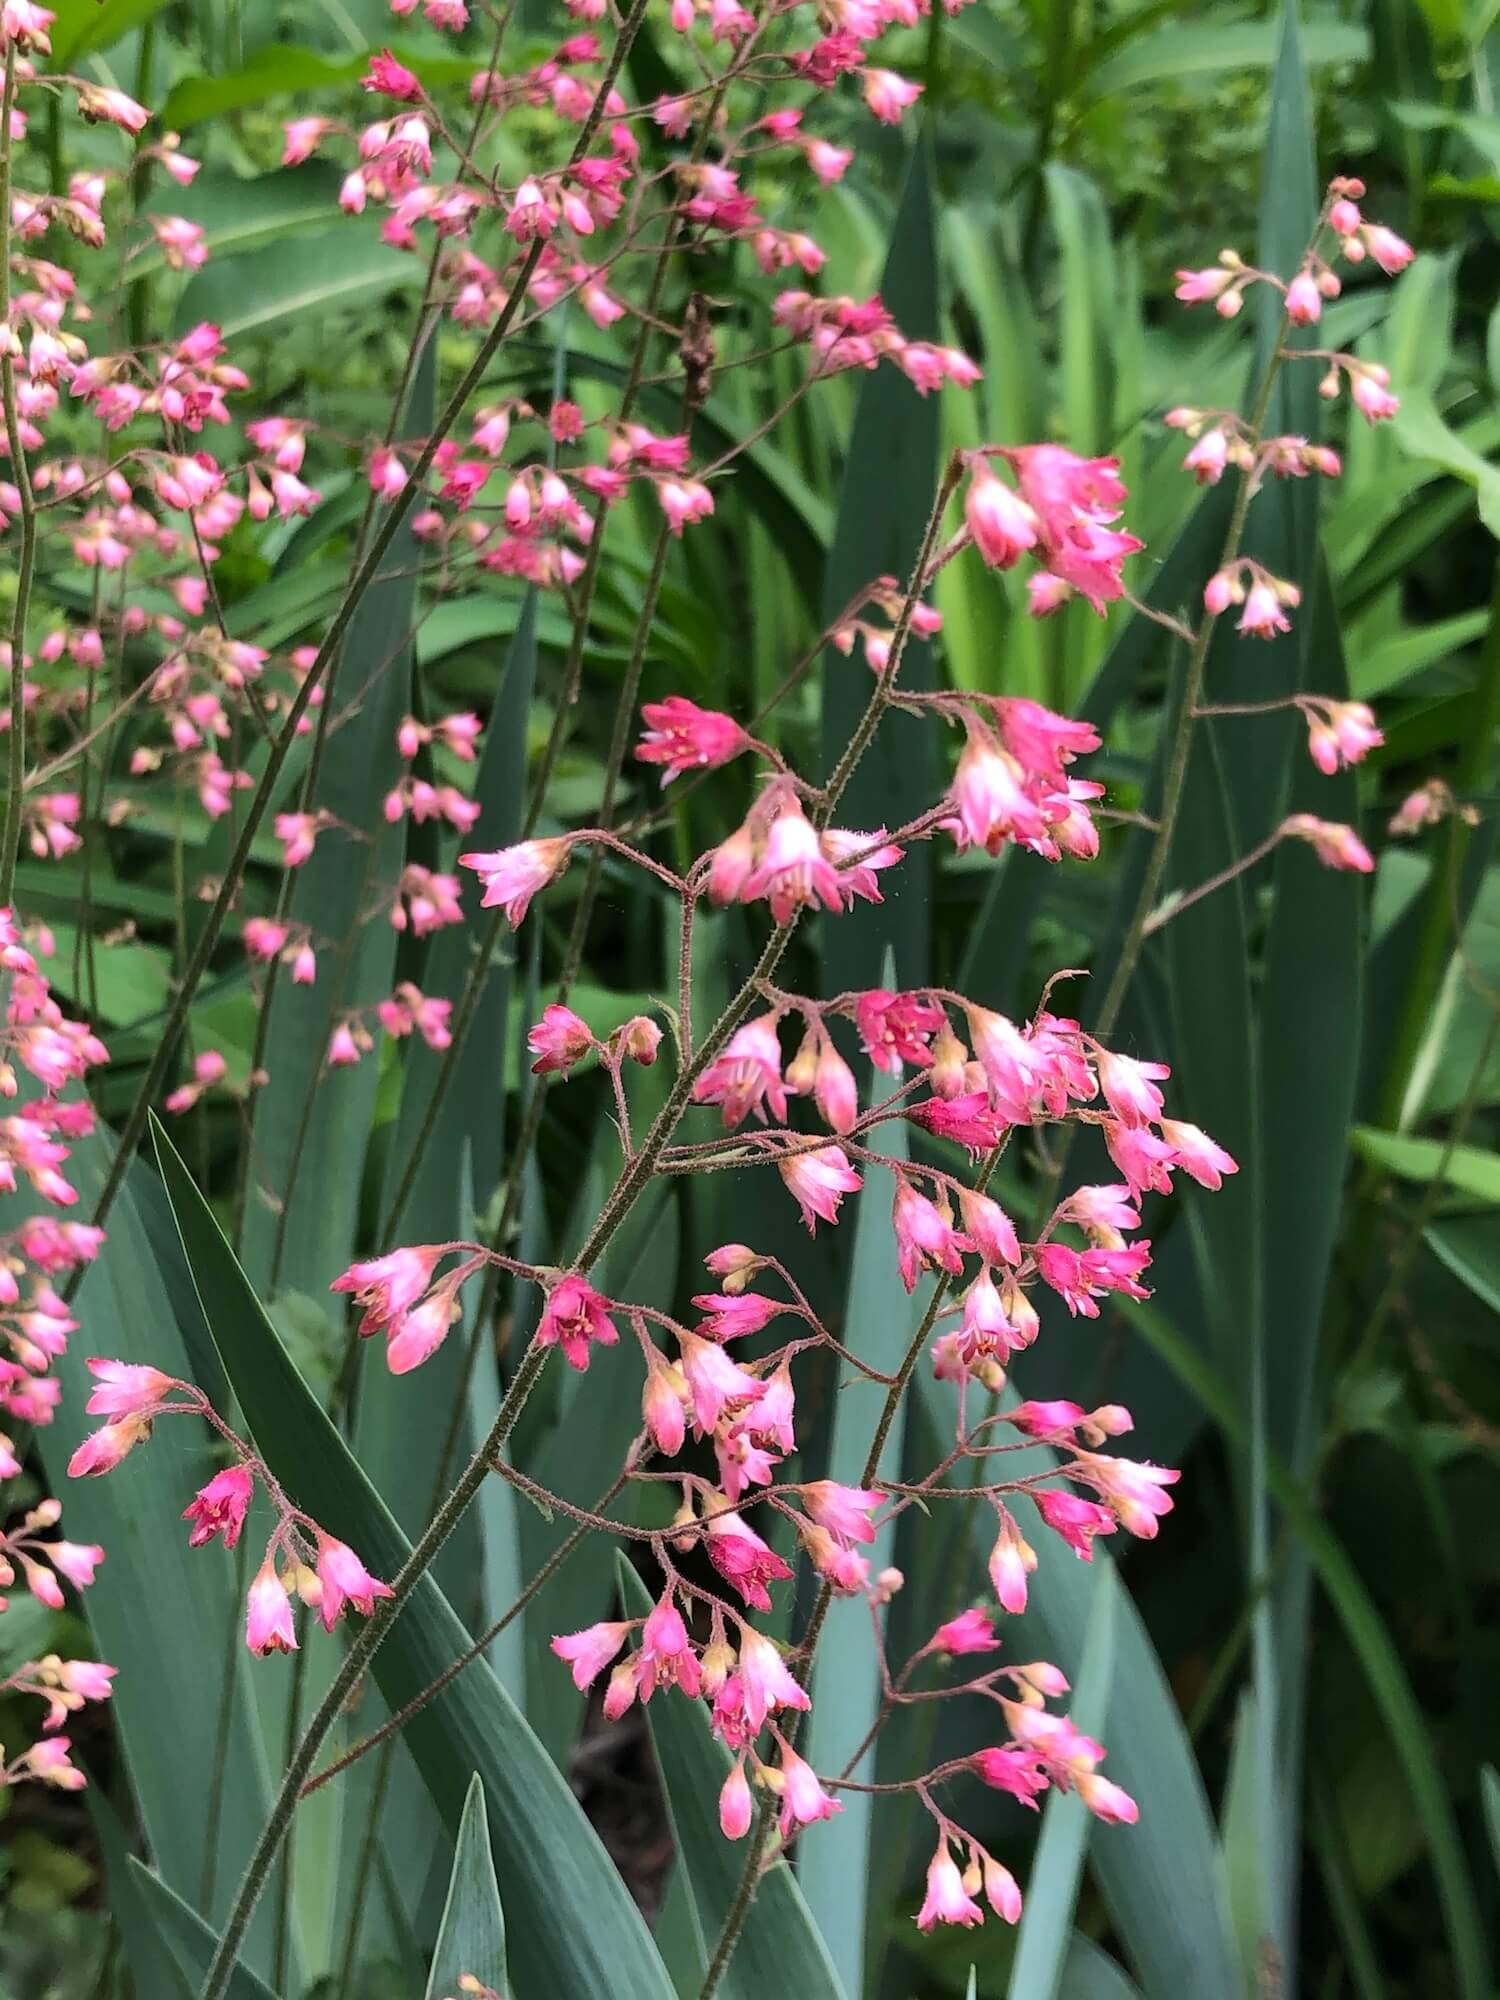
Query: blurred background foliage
[1297,1679]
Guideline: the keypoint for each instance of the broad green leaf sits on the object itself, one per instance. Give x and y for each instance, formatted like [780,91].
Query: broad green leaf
[234,211]
[278,70]
[1091,1974]
[1037,1971]
[191,1941]
[1377,669]
[1422,433]
[334,270]
[1470,1168]
[549,1858]
[1470,1250]
[143,1946]
[885,497]
[312,1123]
[472,1936]
[880,1319]
[780,1949]
[1188,49]
[1489,1791]
[83,26]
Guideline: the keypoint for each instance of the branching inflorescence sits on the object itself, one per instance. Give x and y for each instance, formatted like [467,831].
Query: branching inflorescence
[113,481]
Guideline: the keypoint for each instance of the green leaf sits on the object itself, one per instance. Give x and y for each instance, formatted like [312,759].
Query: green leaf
[311,1123]
[1187,49]
[277,70]
[1057,1869]
[1470,1251]
[885,496]
[1489,1791]
[1422,433]
[472,1935]
[836,1868]
[1471,1168]
[335,270]
[780,1950]
[234,211]
[84,26]
[191,1941]
[551,1859]
[1091,1974]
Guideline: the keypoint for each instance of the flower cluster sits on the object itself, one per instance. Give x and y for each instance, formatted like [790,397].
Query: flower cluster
[301,1560]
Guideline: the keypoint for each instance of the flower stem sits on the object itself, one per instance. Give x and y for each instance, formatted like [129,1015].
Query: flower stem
[10,840]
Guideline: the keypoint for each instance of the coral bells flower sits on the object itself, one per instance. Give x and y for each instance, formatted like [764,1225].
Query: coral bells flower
[794,870]
[972,1631]
[896,1028]
[391,79]
[1336,846]
[219,1508]
[735,1803]
[925,1236]
[125,1389]
[344,1580]
[512,875]
[1339,732]
[743,1559]
[1198,1156]
[575,1314]
[590,1651]
[1002,524]
[268,1616]
[666,1658]
[102,1450]
[803,1799]
[946,1901]
[843,1510]
[558,1041]
[1077,1520]
[683,737]
[1012,1560]
[747,1076]
[387,1287]
[819,1181]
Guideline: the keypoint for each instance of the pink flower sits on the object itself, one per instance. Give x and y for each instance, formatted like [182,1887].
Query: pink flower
[989,1228]
[1335,845]
[968,1120]
[925,1236]
[575,1314]
[730,1316]
[1369,391]
[125,1388]
[762,1684]
[972,1631]
[1344,733]
[1002,524]
[1012,1560]
[1129,1086]
[716,1382]
[1262,617]
[793,871]
[988,1328]
[391,79]
[219,1508]
[48,1759]
[512,875]
[344,1580]
[992,799]
[77,1561]
[666,1657]
[843,1510]
[268,1618]
[1304,302]
[302,137]
[1001,1892]
[888,95]
[1132,1488]
[896,1028]
[1197,1154]
[946,1901]
[387,1287]
[559,1040]
[834,1090]
[683,737]
[743,1559]
[819,1181]
[1390,251]
[590,1651]
[1077,1520]
[102,1450]
[1145,1160]
[735,1804]
[747,1076]
[803,1799]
